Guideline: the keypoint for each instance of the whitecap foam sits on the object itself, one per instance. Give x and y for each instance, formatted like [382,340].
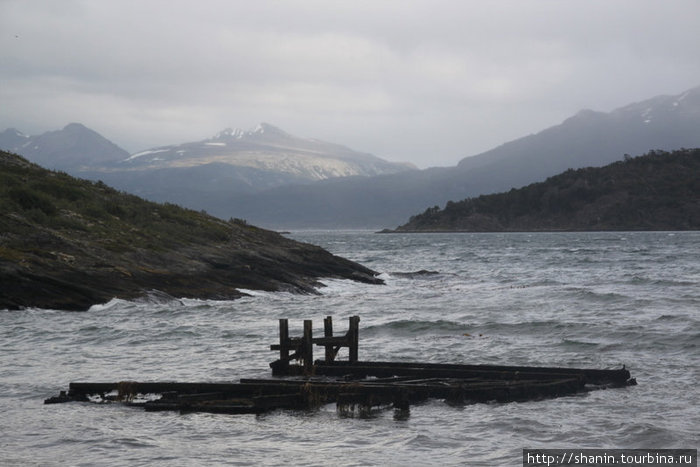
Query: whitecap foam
[113,303]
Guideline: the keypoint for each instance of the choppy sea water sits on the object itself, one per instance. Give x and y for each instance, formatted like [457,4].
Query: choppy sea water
[566,299]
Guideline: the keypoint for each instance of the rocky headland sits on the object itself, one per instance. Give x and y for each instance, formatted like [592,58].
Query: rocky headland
[67,244]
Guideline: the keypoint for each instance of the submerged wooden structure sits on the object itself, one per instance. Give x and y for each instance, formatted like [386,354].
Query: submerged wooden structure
[301,383]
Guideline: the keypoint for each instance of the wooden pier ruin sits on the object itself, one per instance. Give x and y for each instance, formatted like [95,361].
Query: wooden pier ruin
[299,382]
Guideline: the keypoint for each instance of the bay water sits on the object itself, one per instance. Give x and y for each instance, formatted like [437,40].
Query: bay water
[595,299]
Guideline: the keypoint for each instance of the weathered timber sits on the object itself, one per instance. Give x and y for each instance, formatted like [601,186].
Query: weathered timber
[619,376]
[161,387]
[446,388]
[223,408]
[303,346]
[352,383]
[256,396]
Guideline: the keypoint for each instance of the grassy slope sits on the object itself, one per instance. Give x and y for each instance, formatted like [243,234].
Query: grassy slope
[69,243]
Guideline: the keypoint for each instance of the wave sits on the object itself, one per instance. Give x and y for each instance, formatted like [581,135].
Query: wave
[150,298]
[545,282]
[596,296]
[423,273]
[113,303]
[579,344]
[641,280]
[156,297]
[406,326]
[550,325]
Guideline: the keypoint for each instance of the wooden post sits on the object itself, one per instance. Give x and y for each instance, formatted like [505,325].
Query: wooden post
[307,346]
[328,332]
[283,367]
[284,340]
[354,335]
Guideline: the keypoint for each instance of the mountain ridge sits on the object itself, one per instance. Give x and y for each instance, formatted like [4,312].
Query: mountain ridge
[586,139]
[232,162]
[306,196]
[636,119]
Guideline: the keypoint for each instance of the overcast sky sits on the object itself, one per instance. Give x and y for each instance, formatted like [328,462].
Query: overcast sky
[428,82]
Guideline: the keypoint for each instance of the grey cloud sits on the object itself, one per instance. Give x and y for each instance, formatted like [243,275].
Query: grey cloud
[424,81]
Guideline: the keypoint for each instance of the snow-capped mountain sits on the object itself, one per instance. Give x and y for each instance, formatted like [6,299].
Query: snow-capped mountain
[198,174]
[266,148]
[278,180]
[587,139]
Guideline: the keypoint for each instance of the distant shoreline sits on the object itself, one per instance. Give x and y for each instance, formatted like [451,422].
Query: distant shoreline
[390,231]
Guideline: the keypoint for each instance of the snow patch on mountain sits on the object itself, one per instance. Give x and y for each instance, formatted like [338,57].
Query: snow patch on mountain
[146,153]
[681,98]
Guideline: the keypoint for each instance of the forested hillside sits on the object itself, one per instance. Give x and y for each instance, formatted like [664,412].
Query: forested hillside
[657,191]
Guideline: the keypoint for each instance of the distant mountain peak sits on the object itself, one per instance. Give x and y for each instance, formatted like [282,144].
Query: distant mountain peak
[267,128]
[73,146]
[229,133]
[15,132]
[260,129]
[586,113]
[75,126]
[12,134]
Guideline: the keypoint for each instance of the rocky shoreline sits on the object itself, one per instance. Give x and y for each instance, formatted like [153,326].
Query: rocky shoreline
[64,281]
[68,244]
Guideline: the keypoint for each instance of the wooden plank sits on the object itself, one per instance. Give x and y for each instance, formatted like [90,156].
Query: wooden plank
[331,341]
[253,396]
[367,368]
[361,371]
[230,409]
[279,401]
[293,343]
[160,387]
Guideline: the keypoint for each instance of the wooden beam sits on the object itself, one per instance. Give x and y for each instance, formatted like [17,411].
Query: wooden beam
[618,376]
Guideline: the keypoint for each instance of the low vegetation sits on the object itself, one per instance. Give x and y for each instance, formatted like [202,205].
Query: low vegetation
[69,243]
